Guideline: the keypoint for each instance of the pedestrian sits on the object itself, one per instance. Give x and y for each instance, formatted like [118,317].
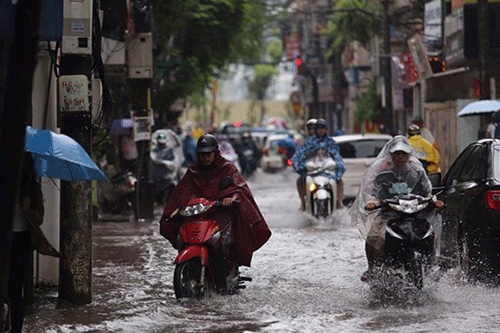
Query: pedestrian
[424,132]
[28,210]
[129,151]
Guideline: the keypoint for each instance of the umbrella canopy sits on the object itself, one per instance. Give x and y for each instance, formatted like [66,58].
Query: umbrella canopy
[479,107]
[60,157]
[121,126]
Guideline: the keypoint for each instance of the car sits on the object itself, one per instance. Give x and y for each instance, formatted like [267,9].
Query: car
[471,218]
[272,159]
[358,152]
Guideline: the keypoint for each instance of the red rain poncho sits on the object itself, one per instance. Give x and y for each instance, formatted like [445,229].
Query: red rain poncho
[251,230]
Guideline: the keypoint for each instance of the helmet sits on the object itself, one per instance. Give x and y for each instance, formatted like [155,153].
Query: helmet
[206,144]
[413,130]
[311,122]
[321,123]
[161,138]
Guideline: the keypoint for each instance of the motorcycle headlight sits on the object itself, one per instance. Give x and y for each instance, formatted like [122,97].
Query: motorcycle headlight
[312,187]
[194,210]
[408,207]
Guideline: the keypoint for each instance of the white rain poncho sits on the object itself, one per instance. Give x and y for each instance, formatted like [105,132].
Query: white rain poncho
[383,180]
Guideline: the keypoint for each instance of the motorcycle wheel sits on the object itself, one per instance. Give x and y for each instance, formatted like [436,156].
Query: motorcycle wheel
[416,276]
[322,208]
[188,280]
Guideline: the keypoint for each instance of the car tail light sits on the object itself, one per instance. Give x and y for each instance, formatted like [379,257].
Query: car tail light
[492,200]
[266,151]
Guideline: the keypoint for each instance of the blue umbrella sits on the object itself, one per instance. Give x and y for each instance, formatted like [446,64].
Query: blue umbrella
[60,157]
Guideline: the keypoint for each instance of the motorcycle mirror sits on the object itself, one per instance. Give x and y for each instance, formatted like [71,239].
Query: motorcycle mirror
[225,183]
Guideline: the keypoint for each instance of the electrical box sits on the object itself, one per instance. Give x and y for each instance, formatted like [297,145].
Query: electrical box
[77,27]
[140,56]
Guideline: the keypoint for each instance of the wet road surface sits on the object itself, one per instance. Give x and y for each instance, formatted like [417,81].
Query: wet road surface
[305,279]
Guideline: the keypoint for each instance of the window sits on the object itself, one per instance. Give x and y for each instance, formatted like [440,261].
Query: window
[457,167]
[361,148]
[475,166]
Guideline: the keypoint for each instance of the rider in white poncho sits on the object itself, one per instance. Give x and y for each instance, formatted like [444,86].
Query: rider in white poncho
[396,171]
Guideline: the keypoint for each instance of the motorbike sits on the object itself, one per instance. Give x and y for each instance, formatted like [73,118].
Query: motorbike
[198,265]
[321,188]
[118,195]
[248,162]
[409,242]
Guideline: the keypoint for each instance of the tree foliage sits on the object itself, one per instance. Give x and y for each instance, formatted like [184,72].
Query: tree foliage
[196,39]
[369,105]
[353,20]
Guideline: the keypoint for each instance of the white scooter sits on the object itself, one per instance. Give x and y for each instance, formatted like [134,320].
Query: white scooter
[321,188]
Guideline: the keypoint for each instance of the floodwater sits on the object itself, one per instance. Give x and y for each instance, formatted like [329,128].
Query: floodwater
[305,279]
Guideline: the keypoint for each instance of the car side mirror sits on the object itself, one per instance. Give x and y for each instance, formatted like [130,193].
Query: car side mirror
[435,178]
[225,183]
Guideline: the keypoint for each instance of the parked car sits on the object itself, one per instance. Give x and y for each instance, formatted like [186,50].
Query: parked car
[471,219]
[272,159]
[358,152]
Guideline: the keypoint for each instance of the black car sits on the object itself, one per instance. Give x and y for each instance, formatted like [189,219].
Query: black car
[471,219]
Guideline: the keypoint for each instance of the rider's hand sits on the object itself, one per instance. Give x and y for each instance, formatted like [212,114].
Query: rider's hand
[228,201]
[439,204]
[371,205]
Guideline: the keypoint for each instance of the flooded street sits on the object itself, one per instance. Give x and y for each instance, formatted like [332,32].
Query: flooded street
[305,279]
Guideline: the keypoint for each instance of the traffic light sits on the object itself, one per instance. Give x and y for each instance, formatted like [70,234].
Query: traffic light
[301,67]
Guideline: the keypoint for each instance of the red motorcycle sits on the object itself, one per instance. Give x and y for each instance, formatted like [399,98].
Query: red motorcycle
[200,262]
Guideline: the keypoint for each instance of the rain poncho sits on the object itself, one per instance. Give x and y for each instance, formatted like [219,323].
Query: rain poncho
[250,228]
[382,181]
[426,153]
[309,149]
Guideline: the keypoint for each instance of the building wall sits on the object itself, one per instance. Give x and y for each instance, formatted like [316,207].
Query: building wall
[238,111]
[48,267]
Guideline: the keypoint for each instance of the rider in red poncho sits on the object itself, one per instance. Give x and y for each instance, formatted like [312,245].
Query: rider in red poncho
[243,231]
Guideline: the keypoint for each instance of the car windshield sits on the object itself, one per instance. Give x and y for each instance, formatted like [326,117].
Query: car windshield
[361,148]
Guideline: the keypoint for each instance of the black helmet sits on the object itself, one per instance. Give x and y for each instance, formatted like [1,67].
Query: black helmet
[413,130]
[311,122]
[206,144]
[321,122]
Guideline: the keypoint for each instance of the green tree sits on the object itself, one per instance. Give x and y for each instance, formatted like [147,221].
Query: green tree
[197,39]
[354,20]
[369,105]
[264,74]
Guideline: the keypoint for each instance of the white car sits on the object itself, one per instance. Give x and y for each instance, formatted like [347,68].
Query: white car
[358,152]
[271,159]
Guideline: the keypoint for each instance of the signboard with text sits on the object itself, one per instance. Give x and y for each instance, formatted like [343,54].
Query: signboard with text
[74,93]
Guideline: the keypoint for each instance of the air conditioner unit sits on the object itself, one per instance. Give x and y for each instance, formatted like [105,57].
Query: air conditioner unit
[140,56]
[77,27]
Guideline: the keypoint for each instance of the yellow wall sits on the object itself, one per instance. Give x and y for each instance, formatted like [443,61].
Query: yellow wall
[238,111]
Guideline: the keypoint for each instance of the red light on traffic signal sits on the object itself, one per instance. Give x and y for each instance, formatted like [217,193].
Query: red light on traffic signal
[298,62]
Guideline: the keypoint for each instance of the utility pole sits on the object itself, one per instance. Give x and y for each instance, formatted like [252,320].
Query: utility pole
[140,74]
[484,49]
[75,263]
[386,68]
[18,60]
